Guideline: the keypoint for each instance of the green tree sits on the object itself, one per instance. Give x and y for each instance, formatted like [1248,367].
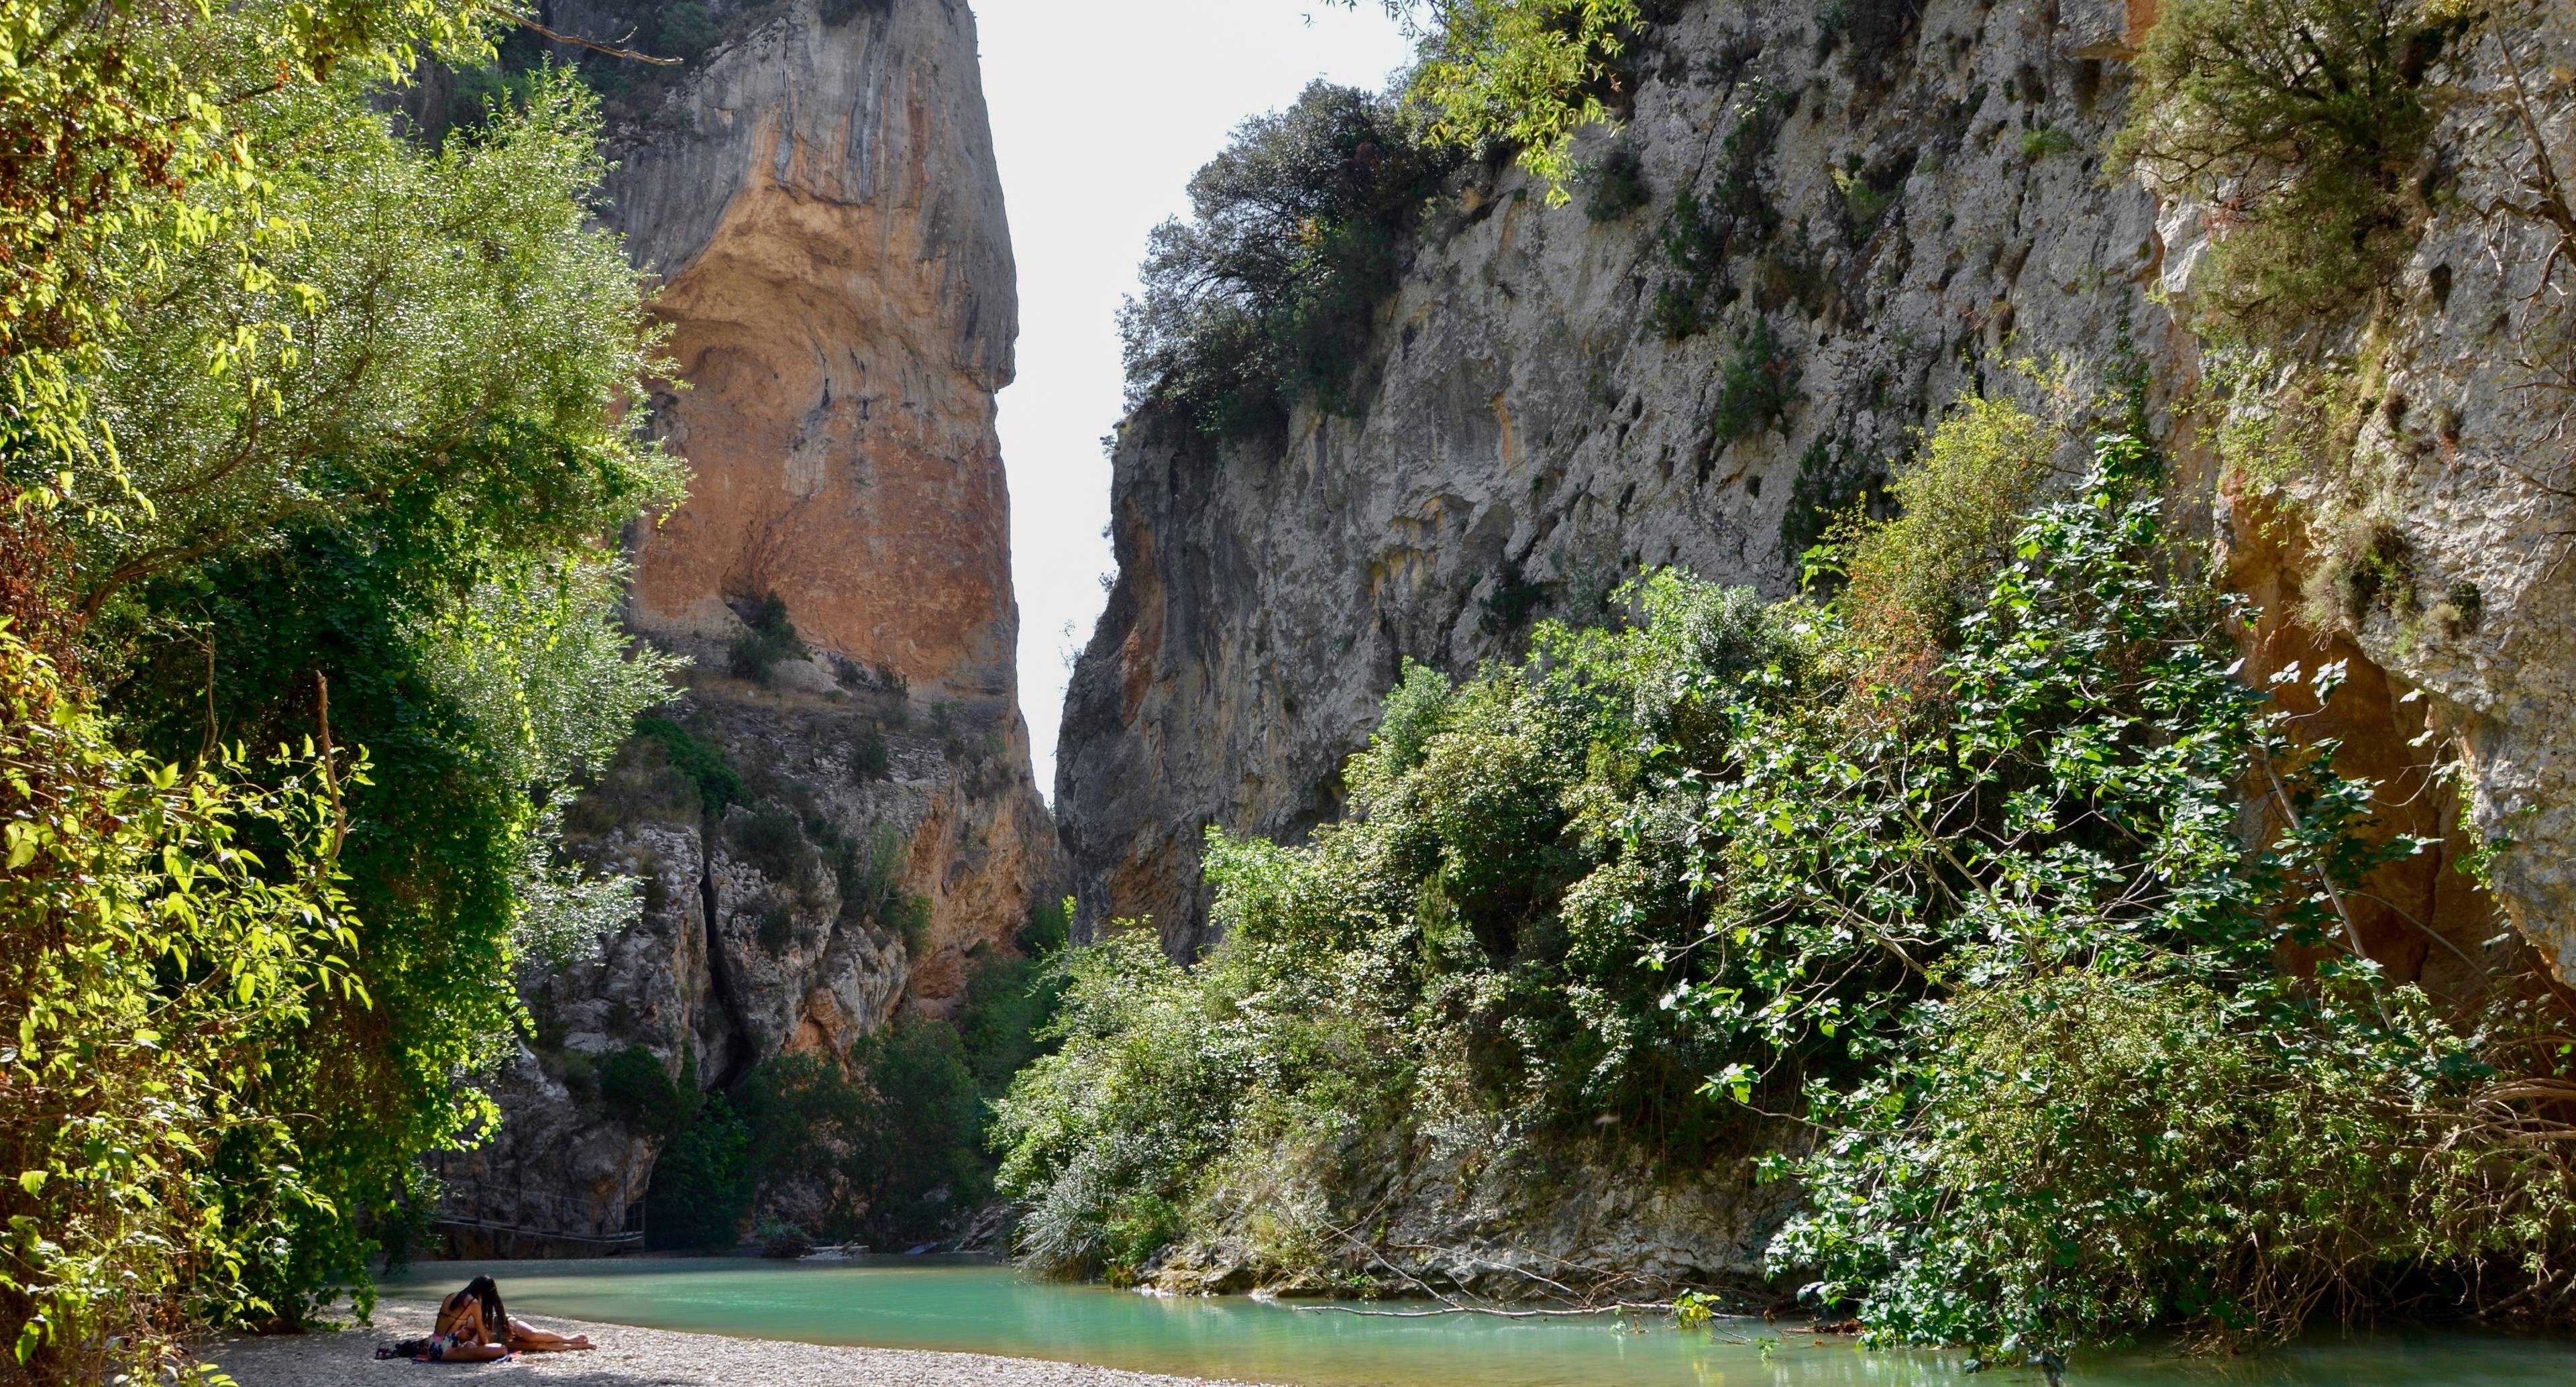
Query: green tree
[1266,296]
[2300,122]
[426,554]
[108,113]
[258,356]
[444,323]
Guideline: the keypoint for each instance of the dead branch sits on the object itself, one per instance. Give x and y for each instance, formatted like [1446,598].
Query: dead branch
[594,45]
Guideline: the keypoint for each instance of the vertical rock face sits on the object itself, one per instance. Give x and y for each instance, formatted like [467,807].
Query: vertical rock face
[829,822]
[838,279]
[1529,440]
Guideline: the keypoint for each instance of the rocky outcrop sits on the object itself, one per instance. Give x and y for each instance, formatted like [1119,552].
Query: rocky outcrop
[1591,1219]
[839,809]
[2434,540]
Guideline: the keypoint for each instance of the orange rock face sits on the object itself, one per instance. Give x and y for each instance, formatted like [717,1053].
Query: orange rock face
[844,458]
[839,288]
[2421,917]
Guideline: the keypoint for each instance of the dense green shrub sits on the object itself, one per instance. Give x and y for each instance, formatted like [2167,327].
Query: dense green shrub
[1867,192]
[1959,504]
[482,91]
[2043,140]
[1757,385]
[1618,186]
[1833,482]
[870,757]
[2113,1110]
[360,398]
[869,870]
[1009,1000]
[685,30]
[150,966]
[2013,946]
[1695,244]
[702,763]
[1266,296]
[767,638]
[631,91]
[1461,964]
[770,837]
[2299,122]
[1735,214]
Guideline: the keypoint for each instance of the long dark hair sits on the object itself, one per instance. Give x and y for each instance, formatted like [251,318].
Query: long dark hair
[496,1321]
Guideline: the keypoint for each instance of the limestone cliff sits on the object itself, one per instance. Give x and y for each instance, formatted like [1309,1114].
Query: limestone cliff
[1528,440]
[1529,443]
[839,809]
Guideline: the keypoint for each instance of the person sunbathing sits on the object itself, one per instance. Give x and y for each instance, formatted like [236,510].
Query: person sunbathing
[474,1327]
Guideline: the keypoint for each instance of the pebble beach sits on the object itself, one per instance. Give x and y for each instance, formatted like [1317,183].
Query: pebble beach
[630,1357]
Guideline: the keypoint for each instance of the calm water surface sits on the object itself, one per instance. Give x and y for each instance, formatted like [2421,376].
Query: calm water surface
[935,1303]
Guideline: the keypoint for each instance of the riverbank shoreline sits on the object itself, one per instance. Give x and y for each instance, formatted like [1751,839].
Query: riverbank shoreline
[632,1357]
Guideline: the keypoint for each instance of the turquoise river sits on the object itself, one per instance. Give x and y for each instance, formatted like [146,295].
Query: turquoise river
[933,1303]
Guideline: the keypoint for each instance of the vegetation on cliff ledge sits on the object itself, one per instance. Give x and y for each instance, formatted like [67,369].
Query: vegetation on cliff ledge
[1267,296]
[2033,926]
[892,1135]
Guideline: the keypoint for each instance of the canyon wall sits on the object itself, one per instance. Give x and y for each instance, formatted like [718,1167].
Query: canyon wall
[838,811]
[1529,443]
[1525,440]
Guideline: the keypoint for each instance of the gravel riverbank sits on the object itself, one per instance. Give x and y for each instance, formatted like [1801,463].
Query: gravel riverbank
[629,1357]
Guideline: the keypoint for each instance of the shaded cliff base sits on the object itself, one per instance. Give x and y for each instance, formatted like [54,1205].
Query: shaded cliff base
[833,968]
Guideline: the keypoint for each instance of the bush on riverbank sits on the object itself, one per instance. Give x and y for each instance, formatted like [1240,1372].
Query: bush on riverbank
[2000,930]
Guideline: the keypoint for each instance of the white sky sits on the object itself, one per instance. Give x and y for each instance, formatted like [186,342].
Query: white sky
[1102,109]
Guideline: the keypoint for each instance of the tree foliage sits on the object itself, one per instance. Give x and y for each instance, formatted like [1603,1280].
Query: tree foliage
[1267,295]
[108,114]
[151,960]
[446,323]
[2119,1101]
[297,410]
[1528,73]
[1523,74]
[2297,123]
[1908,580]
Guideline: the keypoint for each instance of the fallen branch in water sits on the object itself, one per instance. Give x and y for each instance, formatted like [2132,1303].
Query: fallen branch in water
[1660,1307]
[1657,1307]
